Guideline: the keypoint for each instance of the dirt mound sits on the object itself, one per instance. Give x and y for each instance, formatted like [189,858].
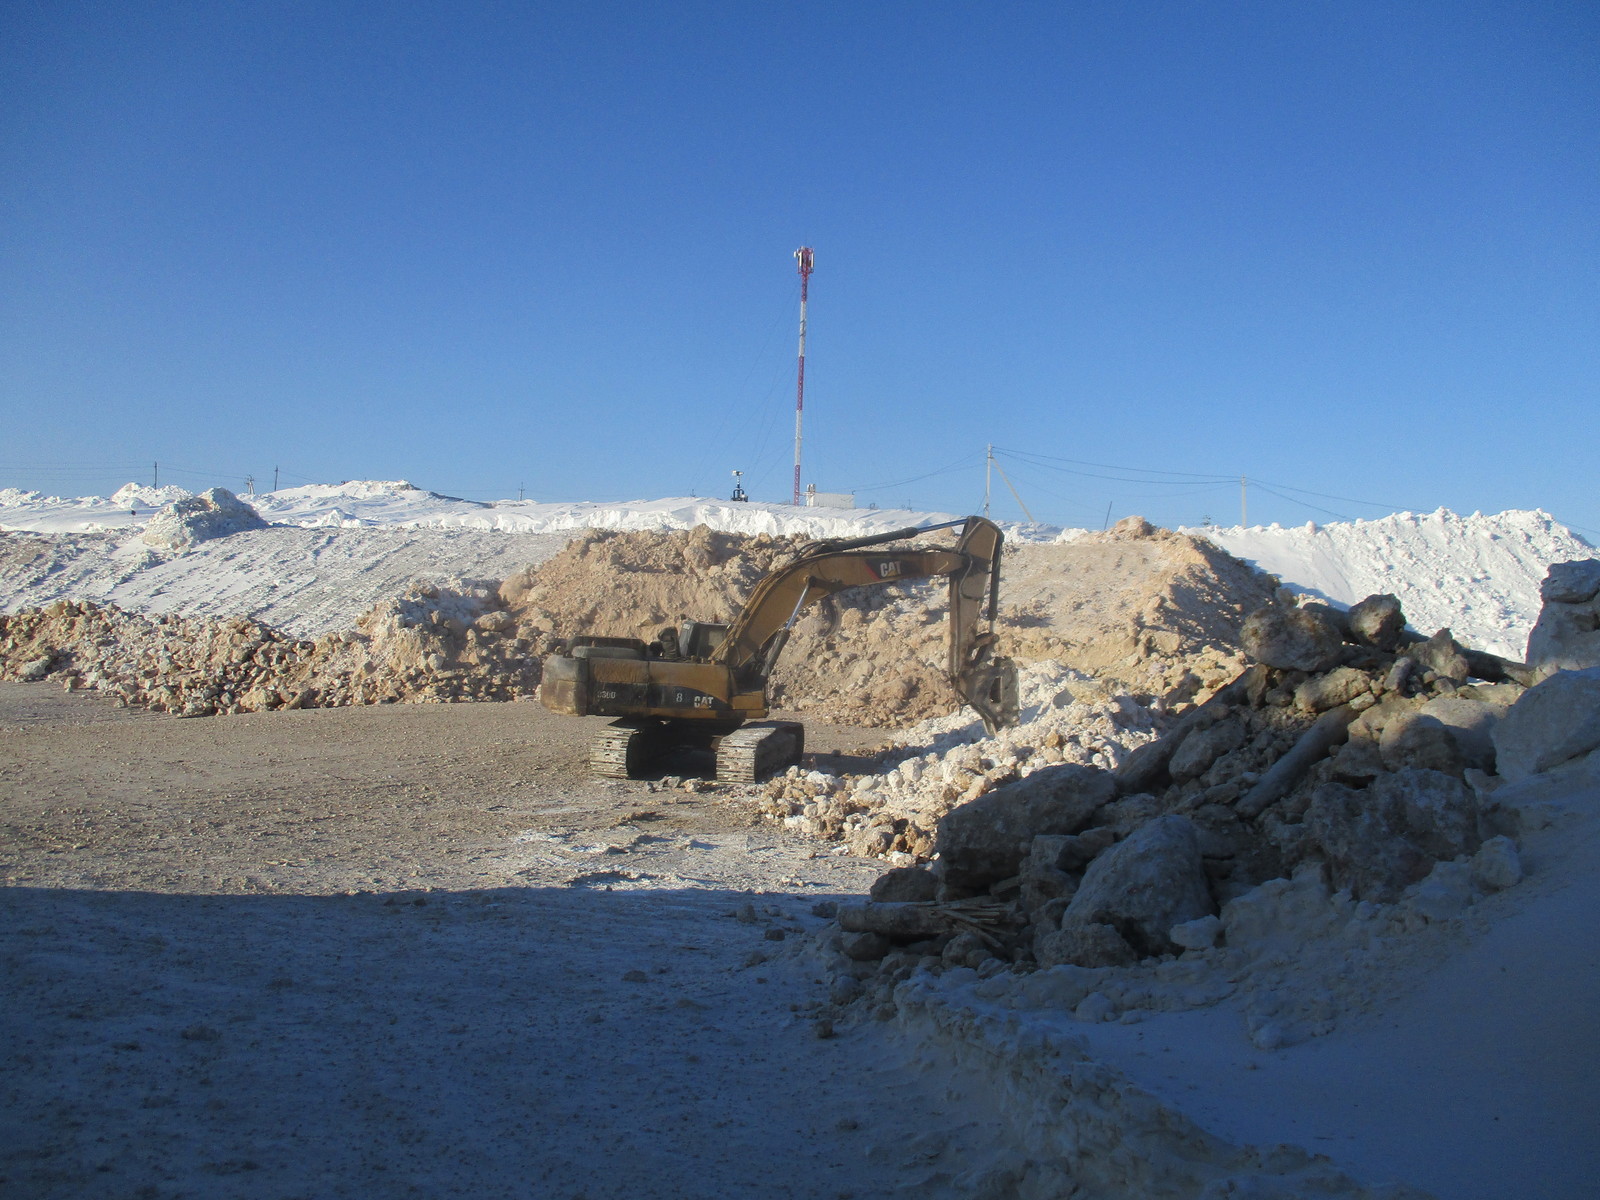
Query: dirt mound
[1135,605]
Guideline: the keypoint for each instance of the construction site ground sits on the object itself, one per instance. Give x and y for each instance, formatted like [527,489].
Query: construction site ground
[417,950]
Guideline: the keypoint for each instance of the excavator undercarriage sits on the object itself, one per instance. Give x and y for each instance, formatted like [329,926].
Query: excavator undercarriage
[705,687]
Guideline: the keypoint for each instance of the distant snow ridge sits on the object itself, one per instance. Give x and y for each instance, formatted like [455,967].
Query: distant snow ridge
[133,495]
[1479,575]
[367,502]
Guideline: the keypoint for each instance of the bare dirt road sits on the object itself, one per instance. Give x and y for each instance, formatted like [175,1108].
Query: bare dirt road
[416,951]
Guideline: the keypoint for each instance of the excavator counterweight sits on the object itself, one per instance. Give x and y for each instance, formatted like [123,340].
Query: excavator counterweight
[705,687]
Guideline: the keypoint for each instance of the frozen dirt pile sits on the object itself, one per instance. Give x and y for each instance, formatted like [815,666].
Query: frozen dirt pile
[429,645]
[1345,745]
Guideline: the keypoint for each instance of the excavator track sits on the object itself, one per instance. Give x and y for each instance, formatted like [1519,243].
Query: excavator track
[758,749]
[624,749]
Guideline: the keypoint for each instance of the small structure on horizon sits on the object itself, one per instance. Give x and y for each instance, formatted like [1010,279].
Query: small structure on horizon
[816,499]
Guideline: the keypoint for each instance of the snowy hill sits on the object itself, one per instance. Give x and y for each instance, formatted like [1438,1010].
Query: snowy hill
[1477,575]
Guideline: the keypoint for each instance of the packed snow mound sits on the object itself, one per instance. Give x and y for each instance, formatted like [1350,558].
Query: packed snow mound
[1478,576]
[377,502]
[134,495]
[213,514]
[364,502]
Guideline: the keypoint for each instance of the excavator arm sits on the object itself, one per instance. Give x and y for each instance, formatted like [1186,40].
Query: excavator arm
[757,637]
[984,680]
[664,699]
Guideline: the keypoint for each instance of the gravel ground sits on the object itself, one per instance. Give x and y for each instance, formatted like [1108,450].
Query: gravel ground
[416,951]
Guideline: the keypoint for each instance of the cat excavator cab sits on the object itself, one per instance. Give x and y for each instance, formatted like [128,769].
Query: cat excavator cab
[704,686]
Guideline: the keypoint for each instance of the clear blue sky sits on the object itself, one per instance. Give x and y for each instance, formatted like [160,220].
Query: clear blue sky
[1352,248]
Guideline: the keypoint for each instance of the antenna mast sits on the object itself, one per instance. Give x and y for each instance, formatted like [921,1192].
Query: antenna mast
[803,257]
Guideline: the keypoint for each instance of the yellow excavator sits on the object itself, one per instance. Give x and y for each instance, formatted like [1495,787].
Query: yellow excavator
[705,686]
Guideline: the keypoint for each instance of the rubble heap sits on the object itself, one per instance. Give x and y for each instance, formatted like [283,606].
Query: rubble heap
[1355,782]
[432,644]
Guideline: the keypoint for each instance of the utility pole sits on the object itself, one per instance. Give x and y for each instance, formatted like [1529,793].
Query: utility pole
[156,480]
[274,478]
[802,256]
[519,493]
[1014,494]
[988,478]
[250,484]
[1243,518]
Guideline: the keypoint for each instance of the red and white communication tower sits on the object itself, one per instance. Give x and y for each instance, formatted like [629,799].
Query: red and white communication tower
[803,257]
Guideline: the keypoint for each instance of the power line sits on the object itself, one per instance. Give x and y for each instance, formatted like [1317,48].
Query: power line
[1186,479]
[1325,496]
[959,464]
[1302,503]
[1034,455]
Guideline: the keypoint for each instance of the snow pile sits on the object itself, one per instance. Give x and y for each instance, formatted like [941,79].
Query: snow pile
[217,513]
[1423,1021]
[1477,576]
[135,496]
[1289,860]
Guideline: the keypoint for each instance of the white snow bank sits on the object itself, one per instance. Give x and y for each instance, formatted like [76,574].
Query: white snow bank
[1479,575]
[360,503]
[364,503]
